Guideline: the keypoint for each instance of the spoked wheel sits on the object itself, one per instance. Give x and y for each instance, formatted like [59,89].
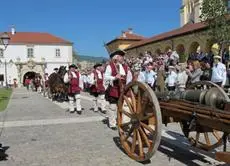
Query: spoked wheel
[206,138]
[139,121]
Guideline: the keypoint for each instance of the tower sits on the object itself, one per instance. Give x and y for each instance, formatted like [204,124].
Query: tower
[190,11]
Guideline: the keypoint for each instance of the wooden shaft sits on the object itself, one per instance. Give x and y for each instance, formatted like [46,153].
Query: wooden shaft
[188,107]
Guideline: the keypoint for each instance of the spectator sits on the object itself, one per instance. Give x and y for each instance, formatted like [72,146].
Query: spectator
[171,79]
[182,78]
[196,73]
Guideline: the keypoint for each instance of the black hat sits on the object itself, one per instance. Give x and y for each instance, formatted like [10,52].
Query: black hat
[72,66]
[117,52]
[97,65]
[55,68]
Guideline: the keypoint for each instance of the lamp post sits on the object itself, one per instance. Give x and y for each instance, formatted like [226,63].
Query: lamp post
[5,41]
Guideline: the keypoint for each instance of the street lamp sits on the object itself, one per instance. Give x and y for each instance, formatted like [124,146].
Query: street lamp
[5,39]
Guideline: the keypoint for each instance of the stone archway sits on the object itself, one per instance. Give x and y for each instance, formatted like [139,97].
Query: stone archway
[30,75]
[180,49]
[167,48]
[158,51]
[30,66]
[194,47]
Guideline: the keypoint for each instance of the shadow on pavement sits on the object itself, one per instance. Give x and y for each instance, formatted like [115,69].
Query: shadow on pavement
[118,144]
[187,154]
[3,155]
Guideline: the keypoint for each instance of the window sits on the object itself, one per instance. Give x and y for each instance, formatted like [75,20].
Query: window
[58,52]
[30,52]
[1,53]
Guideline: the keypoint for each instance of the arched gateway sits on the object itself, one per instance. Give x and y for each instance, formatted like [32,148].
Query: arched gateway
[30,69]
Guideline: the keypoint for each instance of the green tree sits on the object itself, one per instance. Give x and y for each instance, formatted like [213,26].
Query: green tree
[214,13]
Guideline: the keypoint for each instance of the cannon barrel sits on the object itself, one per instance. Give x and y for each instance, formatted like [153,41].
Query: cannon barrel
[211,97]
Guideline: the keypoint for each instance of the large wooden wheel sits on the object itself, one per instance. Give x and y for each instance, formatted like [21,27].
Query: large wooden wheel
[139,121]
[203,137]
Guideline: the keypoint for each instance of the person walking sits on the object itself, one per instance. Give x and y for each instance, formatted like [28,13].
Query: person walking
[118,75]
[97,88]
[73,78]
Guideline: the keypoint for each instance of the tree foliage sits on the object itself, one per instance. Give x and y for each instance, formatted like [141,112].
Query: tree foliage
[215,14]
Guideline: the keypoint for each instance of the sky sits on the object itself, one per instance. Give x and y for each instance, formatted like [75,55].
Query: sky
[90,23]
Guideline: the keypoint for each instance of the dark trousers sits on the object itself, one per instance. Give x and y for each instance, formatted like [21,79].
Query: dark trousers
[171,88]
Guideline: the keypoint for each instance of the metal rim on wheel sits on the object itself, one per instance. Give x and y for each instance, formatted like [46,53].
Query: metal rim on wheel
[139,121]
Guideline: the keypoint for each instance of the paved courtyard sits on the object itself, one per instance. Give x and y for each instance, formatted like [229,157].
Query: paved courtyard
[38,132]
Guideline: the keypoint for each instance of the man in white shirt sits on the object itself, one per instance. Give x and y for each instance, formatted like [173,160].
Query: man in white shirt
[116,71]
[150,76]
[97,88]
[219,73]
[171,79]
[73,78]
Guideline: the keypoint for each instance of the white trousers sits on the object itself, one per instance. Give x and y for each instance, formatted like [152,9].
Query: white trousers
[112,115]
[74,102]
[99,102]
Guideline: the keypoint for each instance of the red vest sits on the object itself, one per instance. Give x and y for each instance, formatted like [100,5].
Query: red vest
[99,86]
[114,91]
[74,84]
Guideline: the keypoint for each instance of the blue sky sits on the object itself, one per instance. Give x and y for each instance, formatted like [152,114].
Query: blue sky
[88,23]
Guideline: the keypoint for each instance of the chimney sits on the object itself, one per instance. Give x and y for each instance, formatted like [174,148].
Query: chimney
[123,34]
[130,30]
[13,31]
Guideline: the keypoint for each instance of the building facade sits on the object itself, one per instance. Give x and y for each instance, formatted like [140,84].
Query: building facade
[190,11]
[126,39]
[32,53]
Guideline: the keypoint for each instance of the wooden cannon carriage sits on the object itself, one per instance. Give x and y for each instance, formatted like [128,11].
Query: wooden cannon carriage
[202,110]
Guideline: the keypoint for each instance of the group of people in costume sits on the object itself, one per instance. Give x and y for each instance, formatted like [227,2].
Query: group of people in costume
[107,82]
[105,86]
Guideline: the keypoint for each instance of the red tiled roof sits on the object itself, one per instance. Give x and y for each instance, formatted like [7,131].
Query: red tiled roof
[176,32]
[36,38]
[128,36]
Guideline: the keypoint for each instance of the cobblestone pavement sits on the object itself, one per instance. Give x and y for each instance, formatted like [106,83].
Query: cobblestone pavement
[38,132]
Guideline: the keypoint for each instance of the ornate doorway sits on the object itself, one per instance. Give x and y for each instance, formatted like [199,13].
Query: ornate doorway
[28,68]
[30,75]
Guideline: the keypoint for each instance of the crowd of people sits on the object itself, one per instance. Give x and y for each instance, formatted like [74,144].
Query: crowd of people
[161,73]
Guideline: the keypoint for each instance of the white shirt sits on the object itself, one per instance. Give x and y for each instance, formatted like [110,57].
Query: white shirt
[150,77]
[219,73]
[109,78]
[182,78]
[92,80]
[171,79]
[66,79]
[141,77]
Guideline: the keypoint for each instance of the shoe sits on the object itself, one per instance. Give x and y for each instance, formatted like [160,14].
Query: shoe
[72,111]
[103,111]
[79,112]
[114,128]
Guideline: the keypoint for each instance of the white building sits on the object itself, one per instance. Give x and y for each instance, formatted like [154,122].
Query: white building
[32,52]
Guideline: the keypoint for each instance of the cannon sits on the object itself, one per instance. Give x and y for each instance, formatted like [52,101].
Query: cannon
[202,110]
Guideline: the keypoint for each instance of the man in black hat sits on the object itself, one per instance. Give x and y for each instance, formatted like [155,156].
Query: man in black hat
[55,70]
[73,78]
[117,71]
[97,88]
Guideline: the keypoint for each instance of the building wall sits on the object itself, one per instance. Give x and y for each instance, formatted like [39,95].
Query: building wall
[184,45]
[190,9]
[42,53]
[120,44]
